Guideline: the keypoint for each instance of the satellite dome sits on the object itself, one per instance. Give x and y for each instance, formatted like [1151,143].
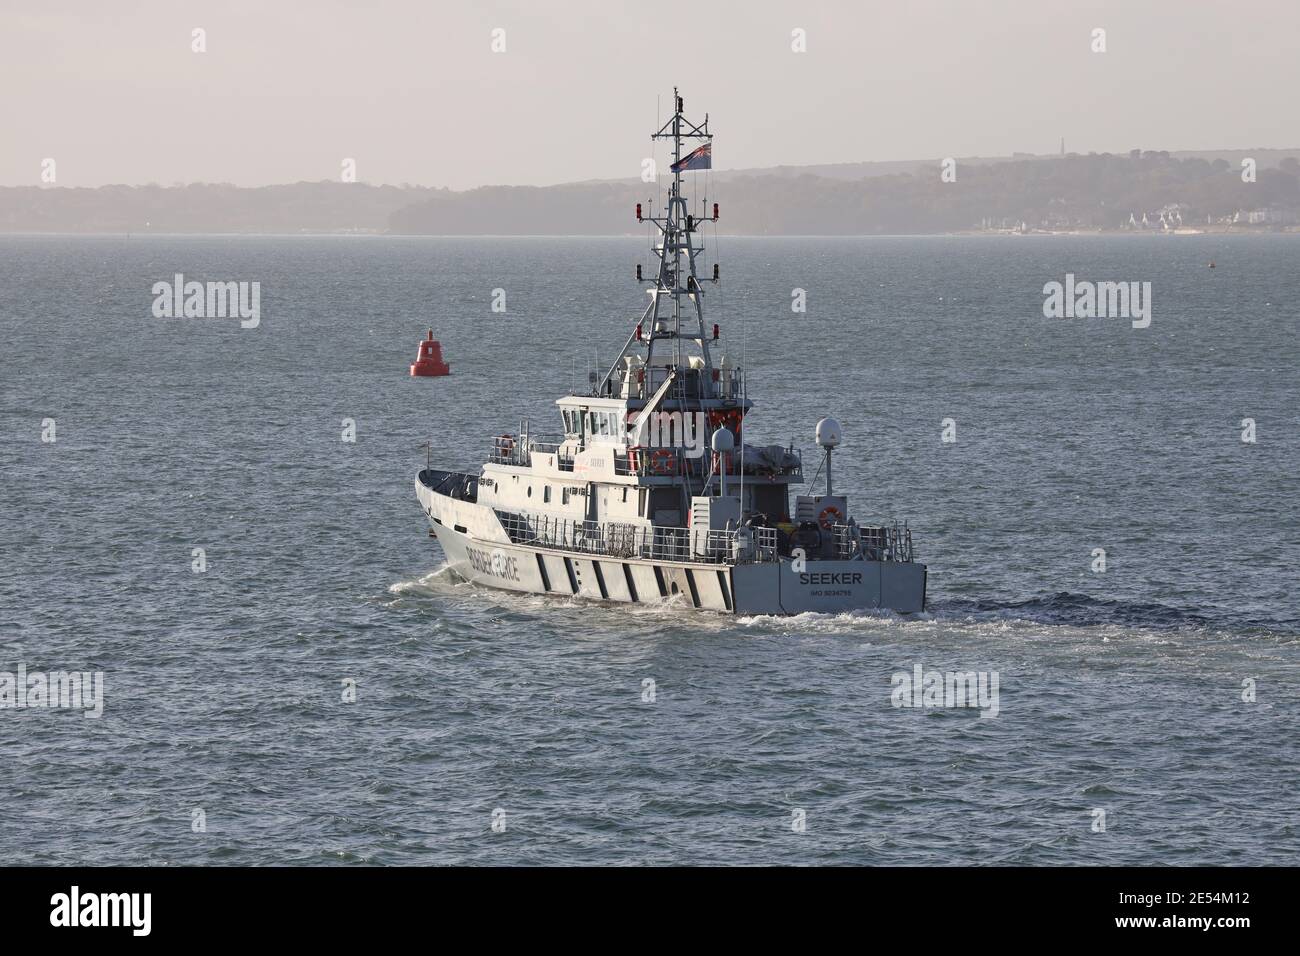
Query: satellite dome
[828,433]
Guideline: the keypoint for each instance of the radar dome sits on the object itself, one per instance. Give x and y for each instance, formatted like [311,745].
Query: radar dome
[828,433]
[723,441]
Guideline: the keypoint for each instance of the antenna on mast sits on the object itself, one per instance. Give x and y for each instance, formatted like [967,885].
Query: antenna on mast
[676,283]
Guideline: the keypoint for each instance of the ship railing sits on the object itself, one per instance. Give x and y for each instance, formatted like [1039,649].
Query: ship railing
[620,540]
[562,460]
[565,462]
[667,461]
[677,462]
[510,450]
[727,382]
[874,542]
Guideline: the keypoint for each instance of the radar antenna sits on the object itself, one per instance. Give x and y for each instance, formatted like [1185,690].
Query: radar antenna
[669,323]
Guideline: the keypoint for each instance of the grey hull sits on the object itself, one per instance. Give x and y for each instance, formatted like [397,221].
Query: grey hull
[829,587]
[479,552]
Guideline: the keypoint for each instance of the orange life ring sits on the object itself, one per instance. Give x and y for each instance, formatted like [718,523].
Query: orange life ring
[663,461]
[829,510]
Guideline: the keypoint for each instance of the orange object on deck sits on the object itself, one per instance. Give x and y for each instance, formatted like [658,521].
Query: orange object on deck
[429,361]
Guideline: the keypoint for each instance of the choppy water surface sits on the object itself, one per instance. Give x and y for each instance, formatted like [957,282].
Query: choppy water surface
[1119,691]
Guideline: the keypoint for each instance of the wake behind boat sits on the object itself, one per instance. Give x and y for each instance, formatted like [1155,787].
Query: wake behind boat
[650,493]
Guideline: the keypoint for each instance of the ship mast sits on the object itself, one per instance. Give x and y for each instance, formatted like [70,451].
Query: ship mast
[669,328]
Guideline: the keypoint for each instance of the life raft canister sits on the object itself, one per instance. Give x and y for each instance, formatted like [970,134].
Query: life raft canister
[829,516]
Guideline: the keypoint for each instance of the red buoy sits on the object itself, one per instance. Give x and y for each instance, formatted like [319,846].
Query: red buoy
[429,361]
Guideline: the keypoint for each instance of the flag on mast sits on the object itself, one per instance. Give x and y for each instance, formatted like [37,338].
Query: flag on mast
[701,158]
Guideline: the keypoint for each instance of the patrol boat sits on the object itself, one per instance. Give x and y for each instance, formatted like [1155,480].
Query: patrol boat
[652,494]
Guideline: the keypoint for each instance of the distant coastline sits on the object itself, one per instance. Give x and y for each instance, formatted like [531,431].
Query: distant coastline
[1235,192]
[1235,232]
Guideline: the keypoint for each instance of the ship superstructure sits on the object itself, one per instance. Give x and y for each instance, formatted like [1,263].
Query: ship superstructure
[651,493]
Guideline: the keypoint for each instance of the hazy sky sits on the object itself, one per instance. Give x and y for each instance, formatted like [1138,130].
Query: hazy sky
[413,92]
